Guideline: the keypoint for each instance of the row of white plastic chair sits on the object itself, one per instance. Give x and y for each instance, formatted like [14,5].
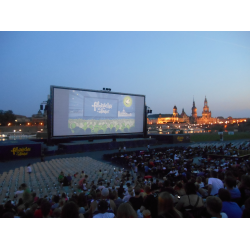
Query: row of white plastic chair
[43,179]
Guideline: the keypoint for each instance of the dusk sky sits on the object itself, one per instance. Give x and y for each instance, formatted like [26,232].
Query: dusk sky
[169,68]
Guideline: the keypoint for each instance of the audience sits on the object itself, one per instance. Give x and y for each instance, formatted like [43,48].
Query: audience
[179,191]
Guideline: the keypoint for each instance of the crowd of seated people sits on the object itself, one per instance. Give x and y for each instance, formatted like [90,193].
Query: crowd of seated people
[143,198]
[161,183]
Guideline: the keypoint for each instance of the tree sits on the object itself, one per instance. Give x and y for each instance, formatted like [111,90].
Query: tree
[7,117]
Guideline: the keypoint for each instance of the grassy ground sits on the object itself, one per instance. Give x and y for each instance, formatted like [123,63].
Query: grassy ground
[216,137]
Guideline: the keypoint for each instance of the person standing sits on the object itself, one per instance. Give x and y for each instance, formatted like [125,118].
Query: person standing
[82,175]
[146,168]
[29,170]
[65,184]
[136,169]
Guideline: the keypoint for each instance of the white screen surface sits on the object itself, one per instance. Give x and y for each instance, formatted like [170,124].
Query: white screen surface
[80,112]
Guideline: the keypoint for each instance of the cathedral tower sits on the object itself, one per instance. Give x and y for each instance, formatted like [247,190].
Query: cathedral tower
[175,114]
[194,110]
[206,114]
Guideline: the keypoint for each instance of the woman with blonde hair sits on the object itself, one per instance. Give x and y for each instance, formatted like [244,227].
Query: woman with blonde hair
[125,210]
[166,207]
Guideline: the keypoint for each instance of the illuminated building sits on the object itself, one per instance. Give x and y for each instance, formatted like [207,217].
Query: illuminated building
[205,118]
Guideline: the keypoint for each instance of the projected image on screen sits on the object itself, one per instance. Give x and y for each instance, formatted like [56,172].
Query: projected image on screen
[99,113]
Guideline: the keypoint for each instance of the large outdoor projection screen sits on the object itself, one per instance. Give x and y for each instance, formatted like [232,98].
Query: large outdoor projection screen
[78,112]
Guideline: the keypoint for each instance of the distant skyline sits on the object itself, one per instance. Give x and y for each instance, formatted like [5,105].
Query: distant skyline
[168,67]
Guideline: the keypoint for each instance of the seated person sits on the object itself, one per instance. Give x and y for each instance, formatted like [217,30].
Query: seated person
[191,200]
[82,175]
[146,169]
[137,200]
[166,207]
[69,179]
[214,207]
[127,174]
[101,179]
[230,184]
[82,181]
[244,187]
[167,188]
[100,187]
[214,184]
[128,195]
[103,211]
[125,210]
[232,209]
[246,209]
[179,188]
[61,177]
[199,182]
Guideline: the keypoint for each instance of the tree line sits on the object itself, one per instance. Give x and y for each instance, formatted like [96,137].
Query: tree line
[6,117]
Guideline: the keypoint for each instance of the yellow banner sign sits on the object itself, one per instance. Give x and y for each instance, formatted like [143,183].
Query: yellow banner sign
[180,138]
[20,151]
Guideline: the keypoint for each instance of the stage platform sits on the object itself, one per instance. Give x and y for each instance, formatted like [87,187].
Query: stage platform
[105,144]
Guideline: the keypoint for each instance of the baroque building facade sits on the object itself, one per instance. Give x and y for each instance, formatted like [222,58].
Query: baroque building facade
[206,117]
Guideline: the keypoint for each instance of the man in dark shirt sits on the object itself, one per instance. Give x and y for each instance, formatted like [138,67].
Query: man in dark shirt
[137,200]
[151,204]
[65,184]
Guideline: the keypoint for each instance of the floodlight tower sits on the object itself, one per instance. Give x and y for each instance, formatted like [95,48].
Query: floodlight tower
[148,110]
